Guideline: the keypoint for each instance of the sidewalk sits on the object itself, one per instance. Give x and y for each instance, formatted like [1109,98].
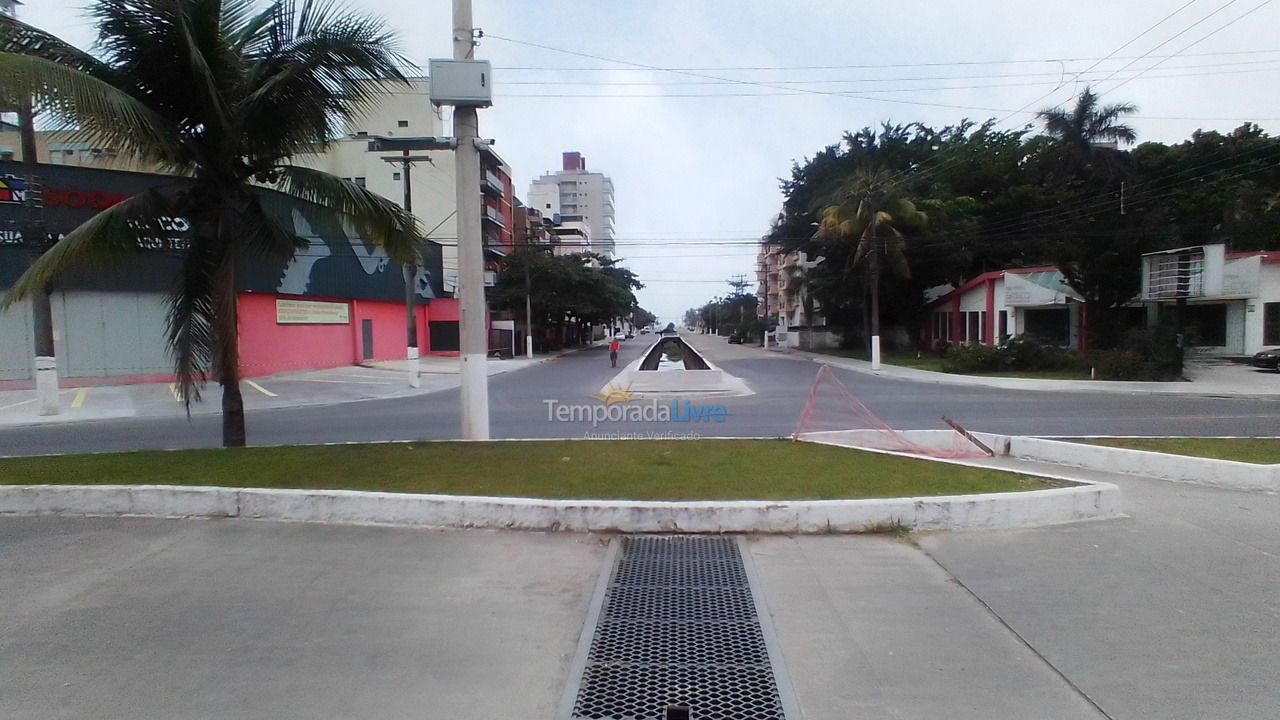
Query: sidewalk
[1206,379]
[332,386]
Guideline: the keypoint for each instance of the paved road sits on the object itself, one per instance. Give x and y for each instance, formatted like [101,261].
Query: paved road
[1171,614]
[781,384]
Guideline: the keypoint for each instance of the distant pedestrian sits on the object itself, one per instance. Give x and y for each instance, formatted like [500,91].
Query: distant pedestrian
[613,352]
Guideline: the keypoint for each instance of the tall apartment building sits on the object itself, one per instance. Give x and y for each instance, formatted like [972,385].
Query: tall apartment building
[582,200]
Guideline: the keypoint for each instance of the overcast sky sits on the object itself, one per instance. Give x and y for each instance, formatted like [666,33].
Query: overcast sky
[696,178]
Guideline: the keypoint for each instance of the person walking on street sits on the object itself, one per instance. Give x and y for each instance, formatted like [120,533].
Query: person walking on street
[613,352]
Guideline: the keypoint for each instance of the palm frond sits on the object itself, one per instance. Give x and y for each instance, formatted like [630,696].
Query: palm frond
[192,319]
[89,107]
[114,233]
[376,218]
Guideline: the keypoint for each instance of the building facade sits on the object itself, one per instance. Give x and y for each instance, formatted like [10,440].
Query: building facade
[404,113]
[785,300]
[1237,315]
[337,302]
[579,201]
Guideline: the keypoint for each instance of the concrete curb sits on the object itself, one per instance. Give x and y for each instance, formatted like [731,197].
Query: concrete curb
[1087,501]
[1161,466]
[1073,386]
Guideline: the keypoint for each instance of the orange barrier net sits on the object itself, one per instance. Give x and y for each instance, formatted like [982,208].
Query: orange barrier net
[835,416]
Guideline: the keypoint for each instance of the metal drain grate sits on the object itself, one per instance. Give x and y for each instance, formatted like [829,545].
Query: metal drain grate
[677,633]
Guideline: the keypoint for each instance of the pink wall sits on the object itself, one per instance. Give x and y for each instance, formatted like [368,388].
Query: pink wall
[389,336]
[443,309]
[267,347]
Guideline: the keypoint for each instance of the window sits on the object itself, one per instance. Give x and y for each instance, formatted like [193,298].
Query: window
[6,156]
[1049,325]
[402,123]
[1003,331]
[973,327]
[358,181]
[1271,323]
[548,206]
[395,176]
[942,325]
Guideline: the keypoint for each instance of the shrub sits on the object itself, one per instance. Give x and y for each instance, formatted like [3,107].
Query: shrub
[972,359]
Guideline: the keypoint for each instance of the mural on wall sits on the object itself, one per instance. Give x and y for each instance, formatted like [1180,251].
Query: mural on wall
[335,263]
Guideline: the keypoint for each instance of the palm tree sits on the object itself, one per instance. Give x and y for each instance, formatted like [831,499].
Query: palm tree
[866,223]
[220,94]
[1086,125]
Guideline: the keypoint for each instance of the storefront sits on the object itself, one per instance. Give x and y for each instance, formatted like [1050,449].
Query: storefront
[337,302]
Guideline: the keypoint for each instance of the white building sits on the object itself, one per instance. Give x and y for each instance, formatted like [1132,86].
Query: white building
[578,196]
[1232,303]
[406,112]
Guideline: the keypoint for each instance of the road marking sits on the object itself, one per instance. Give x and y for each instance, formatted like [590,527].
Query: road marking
[259,388]
[343,382]
[80,397]
[17,404]
[173,390]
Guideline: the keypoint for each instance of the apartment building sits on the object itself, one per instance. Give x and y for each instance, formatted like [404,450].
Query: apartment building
[580,202]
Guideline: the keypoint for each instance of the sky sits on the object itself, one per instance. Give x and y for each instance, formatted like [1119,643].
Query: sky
[696,109]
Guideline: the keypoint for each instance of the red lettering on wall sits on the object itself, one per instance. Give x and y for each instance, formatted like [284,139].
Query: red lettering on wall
[95,199]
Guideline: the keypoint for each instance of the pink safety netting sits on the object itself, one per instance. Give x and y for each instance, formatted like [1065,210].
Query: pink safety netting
[835,416]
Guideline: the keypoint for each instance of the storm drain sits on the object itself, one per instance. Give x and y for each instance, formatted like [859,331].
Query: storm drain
[676,634]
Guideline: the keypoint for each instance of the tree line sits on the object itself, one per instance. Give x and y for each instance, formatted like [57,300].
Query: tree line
[899,209]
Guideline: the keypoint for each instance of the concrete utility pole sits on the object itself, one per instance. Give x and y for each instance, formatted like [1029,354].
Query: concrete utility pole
[34,237]
[474,340]
[406,161]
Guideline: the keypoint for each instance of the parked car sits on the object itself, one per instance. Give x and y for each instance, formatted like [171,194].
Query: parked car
[644,331]
[1267,359]
[628,336]
[736,339]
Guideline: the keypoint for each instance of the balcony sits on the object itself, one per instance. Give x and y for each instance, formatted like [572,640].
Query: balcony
[491,184]
[492,215]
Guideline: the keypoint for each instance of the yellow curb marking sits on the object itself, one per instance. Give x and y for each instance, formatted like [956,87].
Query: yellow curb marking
[80,397]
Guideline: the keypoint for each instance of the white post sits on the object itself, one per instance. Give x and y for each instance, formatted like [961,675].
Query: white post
[875,352]
[47,385]
[475,380]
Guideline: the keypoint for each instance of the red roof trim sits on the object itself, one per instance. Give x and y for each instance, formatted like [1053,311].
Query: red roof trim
[1025,271]
[975,282]
[1268,256]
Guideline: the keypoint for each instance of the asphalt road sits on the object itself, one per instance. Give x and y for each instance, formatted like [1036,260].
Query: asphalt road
[781,384]
[1171,613]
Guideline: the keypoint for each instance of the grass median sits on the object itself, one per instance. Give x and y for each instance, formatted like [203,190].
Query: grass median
[1264,451]
[607,469]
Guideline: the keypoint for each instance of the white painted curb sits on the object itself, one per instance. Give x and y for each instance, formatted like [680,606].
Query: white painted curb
[1162,466]
[1087,501]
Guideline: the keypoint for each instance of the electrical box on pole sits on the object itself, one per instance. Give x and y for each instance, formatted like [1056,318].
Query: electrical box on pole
[461,83]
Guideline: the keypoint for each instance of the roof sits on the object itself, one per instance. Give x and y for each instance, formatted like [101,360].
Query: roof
[989,276]
[1268,256]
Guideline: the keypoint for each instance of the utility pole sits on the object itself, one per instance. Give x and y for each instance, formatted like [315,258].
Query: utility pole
[528,310]
[474,343]
[36,240]
[876,245]
[406,161]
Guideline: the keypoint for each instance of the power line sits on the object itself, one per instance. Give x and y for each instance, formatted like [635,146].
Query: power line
[1257,7]
[1180,33]
[865,66]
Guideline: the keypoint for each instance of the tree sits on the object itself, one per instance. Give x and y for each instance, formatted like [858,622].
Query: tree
[583,286]
[867,223]
[1098,252]
[1083,129]
[220,93]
